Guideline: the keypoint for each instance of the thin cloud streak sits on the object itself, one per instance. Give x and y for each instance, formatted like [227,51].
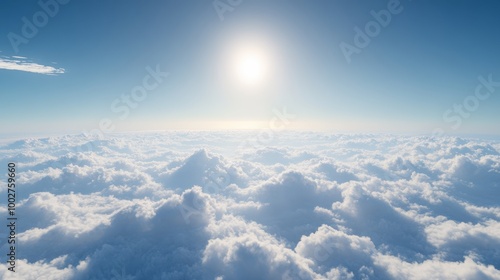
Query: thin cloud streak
[20,65]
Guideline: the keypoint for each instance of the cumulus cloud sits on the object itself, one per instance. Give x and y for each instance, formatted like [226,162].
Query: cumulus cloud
[315,206]
[438,269]
[333,249]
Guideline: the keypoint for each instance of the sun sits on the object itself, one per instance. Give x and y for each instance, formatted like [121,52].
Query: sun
[251,67]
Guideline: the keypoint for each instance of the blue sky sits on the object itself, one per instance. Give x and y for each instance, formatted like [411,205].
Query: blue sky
[408,78]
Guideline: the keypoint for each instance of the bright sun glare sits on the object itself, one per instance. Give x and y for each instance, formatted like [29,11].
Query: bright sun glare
[251,67]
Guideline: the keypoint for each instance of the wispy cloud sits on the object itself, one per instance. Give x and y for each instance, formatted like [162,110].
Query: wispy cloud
[21,64]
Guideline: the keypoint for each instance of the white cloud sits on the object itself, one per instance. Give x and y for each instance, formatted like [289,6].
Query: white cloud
[330,248]
[316,207]
[438,269]
[19,63]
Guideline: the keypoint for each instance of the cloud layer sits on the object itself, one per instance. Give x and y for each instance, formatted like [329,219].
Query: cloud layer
[193,205]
